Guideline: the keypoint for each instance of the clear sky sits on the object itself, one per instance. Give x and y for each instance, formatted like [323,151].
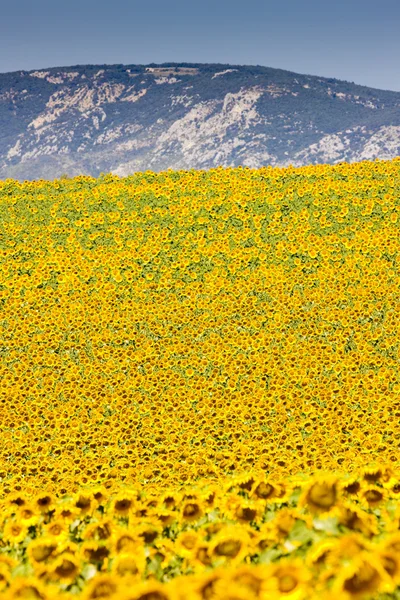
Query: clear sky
[354,40]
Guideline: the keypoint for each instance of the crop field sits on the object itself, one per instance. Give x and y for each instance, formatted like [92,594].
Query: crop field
[200,385]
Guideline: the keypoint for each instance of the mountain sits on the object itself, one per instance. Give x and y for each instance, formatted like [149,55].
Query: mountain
[124,118]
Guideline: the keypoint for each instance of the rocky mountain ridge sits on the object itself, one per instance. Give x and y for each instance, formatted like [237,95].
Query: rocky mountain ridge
[124,118]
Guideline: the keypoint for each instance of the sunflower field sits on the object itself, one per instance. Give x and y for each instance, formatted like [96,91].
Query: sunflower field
[200,385]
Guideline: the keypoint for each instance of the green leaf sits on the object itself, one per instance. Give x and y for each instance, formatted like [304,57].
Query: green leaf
[328,525]
[301,533]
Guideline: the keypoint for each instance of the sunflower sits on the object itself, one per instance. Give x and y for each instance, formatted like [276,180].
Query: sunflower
[66,511]
[363,576]
[123,504]
[16,500]
[5,576]
[27,587]
[392,488]
[231,590]
[201,558]
[208,495]
[164,549]
[57,529]
[229,505]
[242,482]
[356,519]
[381,473]
[347,547]
[44,502]
[67,547]
[8,562]
[249,511]
[350,486]
[129,564]
[372,496]
[206,586]
[270,490]
[164,516]
[145,590]
[249,578]
[65,568]
[231,543]
[99,495]
[392,543]
[42,549]
[14,532]
[99,530]
[103,585]
[192,510]
[176,591]
[83,503]
[186,543]
[289,579]
[320,495]
[125,540]
[94,552]
[285,520]
[265,538]
[29,514]
[371,473]
[170,499]
[319,554]
[391,563]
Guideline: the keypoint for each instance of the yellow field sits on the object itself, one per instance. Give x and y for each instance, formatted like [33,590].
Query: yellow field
[200,385]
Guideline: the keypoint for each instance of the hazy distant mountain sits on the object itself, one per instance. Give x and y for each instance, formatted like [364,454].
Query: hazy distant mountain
[92,119]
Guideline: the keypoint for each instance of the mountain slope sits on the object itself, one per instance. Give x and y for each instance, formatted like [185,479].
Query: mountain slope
[92,119]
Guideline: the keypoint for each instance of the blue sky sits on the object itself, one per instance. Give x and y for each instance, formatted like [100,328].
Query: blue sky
[354,40]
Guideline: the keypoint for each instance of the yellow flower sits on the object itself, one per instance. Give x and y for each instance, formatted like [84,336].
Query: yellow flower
[94,551]
[100,495]
[319,554]
[57,529]
[249,510]
[129,564]
[44,502]
[192,510]
[353,517]
[14,532]
[391,563]
[29,587]
[163,549]
[66,511]
[42,549]
[205,586]
[289,579]
[146,590]
[5,576]
[347,547]
[284,521]
[123,504]
[29,514]
[350,486]
[230,544]
[392,543]
[84,503]
[66,567]
[186,543]
[99,530]
[101,586]
[321,493]
[16,500]
[372,495]
[249,578]
[363,576]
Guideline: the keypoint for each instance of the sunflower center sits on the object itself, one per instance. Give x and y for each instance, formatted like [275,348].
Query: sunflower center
[287,583]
